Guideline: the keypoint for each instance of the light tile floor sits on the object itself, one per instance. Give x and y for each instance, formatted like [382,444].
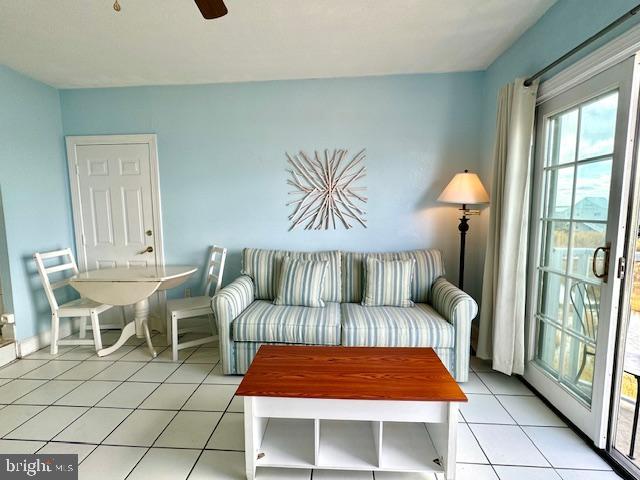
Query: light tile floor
[128,416]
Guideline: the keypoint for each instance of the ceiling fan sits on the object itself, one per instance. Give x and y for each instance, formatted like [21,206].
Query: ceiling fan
[209,9]
[212,8]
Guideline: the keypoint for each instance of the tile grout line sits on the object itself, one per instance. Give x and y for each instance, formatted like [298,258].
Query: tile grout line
[123,420]
[83,414]
[22,396]
[173,417]
[214,428]
[53,404]
[474,433]
[518,425]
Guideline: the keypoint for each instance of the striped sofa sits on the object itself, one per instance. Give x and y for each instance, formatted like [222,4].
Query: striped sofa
[248,318]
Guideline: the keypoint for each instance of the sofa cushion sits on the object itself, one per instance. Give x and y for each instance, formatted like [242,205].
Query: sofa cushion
[419,326]
[301,282]
[263,266]
[428,267]
[263,321]
[388,283]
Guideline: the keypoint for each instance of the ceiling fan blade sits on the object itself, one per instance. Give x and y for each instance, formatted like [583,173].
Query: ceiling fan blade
[212,8]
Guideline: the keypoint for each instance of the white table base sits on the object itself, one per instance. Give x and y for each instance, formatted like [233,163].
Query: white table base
[378,435]
[139,327]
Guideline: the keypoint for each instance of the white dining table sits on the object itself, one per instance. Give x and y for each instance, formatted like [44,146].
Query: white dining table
[130,286]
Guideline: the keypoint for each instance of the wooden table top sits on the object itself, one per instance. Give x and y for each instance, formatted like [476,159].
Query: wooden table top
[355,373]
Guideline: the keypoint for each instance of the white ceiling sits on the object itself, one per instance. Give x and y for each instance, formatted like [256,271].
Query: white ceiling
[85,43]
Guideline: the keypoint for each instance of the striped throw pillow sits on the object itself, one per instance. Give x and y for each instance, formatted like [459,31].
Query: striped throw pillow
[428,267]
[301,282]
[263,266]
[388,283]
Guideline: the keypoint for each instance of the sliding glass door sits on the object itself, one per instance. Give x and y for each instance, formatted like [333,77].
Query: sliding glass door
[582,159]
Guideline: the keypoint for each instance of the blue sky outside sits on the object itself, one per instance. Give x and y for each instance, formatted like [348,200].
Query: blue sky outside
[597,131]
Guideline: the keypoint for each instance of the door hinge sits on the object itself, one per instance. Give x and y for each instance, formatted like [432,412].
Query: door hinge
[622,267]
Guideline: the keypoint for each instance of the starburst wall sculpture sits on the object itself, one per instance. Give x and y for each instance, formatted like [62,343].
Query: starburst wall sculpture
[327,190]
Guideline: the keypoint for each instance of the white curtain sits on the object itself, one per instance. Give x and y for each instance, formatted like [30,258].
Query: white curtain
[502,319]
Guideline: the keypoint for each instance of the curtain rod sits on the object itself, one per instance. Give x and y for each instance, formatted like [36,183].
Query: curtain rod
[587,42]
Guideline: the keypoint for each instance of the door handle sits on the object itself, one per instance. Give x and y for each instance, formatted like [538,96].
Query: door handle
[605,274]
[149,249]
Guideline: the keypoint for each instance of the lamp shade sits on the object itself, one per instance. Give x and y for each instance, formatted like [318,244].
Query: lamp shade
[465,188]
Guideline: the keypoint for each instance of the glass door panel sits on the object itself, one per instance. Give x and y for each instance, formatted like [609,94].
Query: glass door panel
[625,441]
[578,179]
[579,210]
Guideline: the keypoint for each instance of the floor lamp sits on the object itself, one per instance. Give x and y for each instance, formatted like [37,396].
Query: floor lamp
[464,189]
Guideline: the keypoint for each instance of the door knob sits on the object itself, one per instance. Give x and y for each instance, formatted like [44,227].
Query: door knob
[148,233]
[149,249]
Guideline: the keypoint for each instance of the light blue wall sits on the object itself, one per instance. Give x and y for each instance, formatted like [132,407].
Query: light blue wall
[222,157]
[35,193]
[565,25]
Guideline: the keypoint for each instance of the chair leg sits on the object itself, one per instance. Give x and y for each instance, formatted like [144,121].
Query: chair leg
[55,332]
[147,336]
[97,336]
[83,327]
[174,337]
[584,363]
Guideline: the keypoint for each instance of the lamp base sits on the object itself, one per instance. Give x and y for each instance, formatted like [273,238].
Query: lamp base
[463,227]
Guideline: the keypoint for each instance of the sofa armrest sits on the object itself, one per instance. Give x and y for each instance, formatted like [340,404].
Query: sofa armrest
[227,304]
[459,309]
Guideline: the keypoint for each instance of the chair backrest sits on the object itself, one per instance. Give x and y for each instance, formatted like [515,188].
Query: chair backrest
[63,261]
[214,271]
[585,299]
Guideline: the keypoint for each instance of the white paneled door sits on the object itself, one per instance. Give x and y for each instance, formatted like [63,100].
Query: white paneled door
[116,200]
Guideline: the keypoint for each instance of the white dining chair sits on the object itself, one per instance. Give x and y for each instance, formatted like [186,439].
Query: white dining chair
[191,307]
[62,262]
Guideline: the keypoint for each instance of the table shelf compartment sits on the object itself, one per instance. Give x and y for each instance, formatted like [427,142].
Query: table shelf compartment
[288,443]
[349,445]
[408,447]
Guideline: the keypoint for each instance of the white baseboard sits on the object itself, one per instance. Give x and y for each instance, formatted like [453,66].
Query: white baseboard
[29,345]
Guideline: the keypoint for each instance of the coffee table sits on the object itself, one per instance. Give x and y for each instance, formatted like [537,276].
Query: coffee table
[350,408]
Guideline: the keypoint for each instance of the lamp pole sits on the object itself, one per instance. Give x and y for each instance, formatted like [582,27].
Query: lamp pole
[463,227]
[464,189]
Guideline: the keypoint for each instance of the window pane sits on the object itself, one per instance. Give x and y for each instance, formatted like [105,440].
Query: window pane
[597,126]
[592,191]
[556,236]
[549,338]
[582,317]
[578,365]
[559,192]
[552,296]
[563,134]
[586,238]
